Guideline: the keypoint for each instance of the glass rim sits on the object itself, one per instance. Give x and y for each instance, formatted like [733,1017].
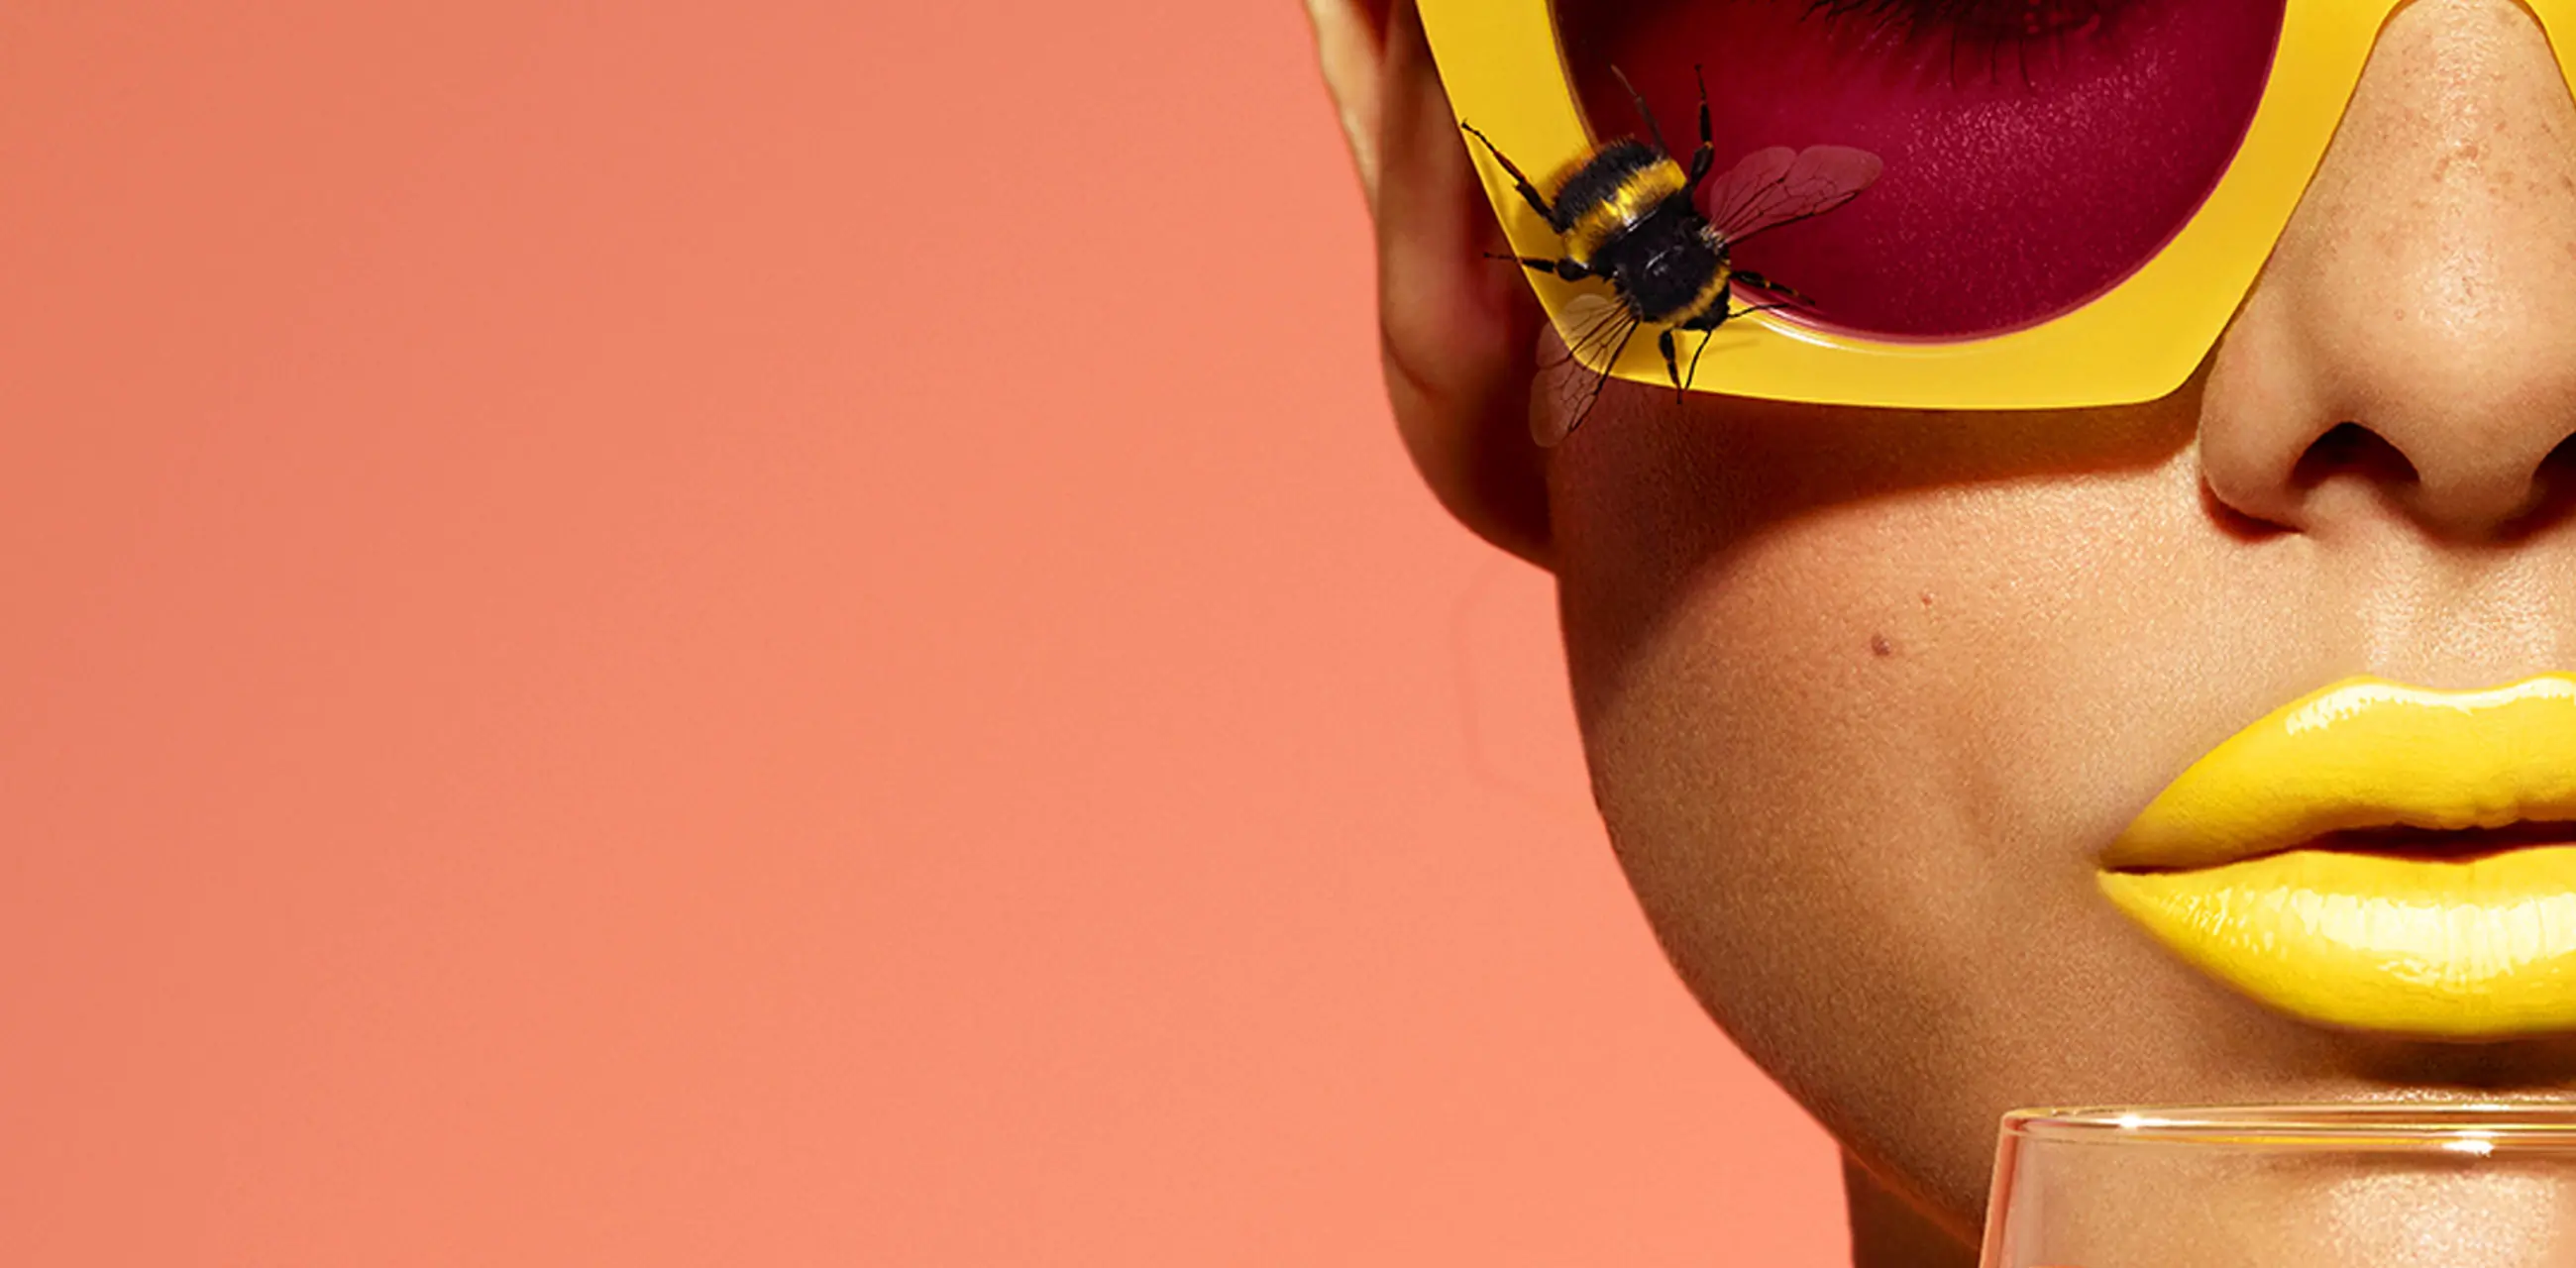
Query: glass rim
[2476,1127]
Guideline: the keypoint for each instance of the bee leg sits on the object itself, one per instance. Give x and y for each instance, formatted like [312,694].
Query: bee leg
[1715,317]
[1519,181]
[1761,283]
[1705,157]
[1571,270]
[1694,365]
[1672,368]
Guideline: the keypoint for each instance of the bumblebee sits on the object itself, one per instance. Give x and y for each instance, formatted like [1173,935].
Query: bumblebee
[1633,216]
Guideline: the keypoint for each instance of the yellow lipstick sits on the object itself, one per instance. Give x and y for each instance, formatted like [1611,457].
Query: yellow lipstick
[2304,862]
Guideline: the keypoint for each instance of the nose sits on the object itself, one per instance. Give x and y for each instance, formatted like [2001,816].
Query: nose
[2410,349]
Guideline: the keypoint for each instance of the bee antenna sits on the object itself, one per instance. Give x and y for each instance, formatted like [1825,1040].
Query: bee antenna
[1653,129]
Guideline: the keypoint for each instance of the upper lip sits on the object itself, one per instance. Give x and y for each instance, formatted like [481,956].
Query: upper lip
[2387,765]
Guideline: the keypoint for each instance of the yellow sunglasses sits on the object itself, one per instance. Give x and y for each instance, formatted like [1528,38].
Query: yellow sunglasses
[2076,195]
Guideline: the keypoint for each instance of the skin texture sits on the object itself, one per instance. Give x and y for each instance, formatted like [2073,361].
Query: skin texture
[1865,694]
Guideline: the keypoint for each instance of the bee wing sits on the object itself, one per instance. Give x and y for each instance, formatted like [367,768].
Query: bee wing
[1772,187]
[1595,323]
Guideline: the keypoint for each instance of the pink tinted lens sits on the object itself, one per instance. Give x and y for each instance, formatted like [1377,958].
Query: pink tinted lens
[2036,151]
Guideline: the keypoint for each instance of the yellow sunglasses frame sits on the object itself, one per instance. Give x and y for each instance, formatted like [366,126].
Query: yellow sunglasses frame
[1505,73]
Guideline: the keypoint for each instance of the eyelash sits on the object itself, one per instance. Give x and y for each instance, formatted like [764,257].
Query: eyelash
[1989,23]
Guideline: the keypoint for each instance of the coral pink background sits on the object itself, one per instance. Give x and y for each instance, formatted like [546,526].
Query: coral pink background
[765,634]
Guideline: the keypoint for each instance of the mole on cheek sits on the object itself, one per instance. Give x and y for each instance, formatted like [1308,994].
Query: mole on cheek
[1879,646]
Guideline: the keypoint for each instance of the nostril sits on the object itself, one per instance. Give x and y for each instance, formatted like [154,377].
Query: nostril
[2553,489]
[2350,449]
[2559,467]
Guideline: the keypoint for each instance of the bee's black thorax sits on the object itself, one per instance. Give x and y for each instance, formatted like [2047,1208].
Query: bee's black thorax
[1667,265]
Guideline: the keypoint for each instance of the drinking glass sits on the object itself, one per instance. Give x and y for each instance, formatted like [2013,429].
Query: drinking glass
[2364,1185]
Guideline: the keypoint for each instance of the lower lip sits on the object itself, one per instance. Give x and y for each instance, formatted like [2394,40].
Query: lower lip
[2481,948]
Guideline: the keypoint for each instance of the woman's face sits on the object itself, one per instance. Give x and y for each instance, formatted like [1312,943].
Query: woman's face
[1867,695]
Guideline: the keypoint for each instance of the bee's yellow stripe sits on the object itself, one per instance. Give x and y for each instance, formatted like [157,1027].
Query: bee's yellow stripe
[1634,198]
[1708,295]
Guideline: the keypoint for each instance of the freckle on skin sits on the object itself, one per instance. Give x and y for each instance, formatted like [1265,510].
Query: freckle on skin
[1879,646]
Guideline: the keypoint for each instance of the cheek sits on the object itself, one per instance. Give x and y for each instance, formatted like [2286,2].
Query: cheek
[1859,714]
[2023,176]
[1797,814]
